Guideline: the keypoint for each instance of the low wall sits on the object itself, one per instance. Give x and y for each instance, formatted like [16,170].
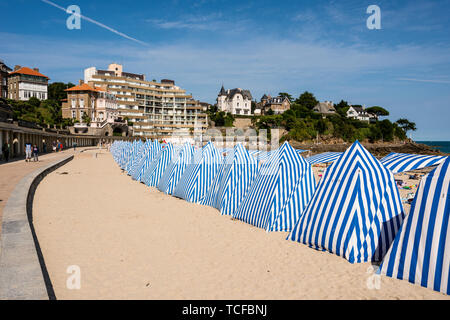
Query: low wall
[23,275]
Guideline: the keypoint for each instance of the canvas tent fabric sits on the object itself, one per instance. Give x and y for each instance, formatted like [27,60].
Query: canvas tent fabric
[324,157]
[176,169]
[420,253]
[199,174]
[137,163]
[281,190]
[232,182]
[401,162]
[356,210]
[135,148]
[148,156]
[152,175]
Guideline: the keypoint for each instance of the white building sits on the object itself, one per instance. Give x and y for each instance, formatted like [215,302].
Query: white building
[235,101]
[24,83]
[359,113]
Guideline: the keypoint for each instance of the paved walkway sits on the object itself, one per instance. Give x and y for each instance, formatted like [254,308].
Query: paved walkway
[12,172]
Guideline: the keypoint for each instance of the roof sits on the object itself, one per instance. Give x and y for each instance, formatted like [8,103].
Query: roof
[323,107]
[245,93]
[84,87]
[28,71]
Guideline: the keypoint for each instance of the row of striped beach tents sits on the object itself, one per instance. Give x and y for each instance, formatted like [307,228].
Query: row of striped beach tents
[355,211]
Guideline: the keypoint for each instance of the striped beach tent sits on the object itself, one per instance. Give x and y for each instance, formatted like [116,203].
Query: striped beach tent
[401,162]
[232,182]
[137,163]
[324,157]
[420,253]
[149,155]
[125,155]
[356,210]
[135,148]
[156,169]
[281,190]
[176,169]
[199,175]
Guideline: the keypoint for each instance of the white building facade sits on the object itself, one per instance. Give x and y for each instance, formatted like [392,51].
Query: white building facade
[235,101]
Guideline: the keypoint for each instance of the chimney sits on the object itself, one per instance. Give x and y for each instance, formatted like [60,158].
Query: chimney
[80,82]
[17,67]
[36,69]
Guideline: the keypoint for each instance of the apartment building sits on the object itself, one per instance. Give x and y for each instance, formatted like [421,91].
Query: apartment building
[4,72]
[95,102]
[24,83]
[157,110]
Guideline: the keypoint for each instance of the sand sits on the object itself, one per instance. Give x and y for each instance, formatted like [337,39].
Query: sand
[134,242]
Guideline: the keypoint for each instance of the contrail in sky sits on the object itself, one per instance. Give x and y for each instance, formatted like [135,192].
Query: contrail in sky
[99,24]
[424,80]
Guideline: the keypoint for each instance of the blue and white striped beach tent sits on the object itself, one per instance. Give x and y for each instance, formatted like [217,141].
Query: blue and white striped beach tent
[324,157]
[281,190]
[401,162]
[137,163]
[149,155]
[156,169]
[421,250]
[356,210]
[125,155]
[176,169]
[232,182]
[135,148]
[199,175]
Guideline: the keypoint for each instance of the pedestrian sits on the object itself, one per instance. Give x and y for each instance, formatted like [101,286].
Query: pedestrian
[54,146]
[44,146]
[35,153]
[27,152]
[60,146]
[5,149]
[74,146]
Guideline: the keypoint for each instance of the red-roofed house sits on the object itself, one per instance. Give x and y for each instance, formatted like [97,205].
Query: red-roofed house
[95,102]
[24,83]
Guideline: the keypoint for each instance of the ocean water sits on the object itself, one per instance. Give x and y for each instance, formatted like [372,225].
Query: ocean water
[444,146]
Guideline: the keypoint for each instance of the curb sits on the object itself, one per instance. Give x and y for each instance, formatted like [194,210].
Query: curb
[23,274]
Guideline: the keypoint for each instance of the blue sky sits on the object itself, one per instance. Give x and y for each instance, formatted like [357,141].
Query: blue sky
[264,46]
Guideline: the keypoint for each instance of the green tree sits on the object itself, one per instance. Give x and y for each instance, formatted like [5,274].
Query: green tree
[86,119]
[269,112]
[406,125]
[56,91]
[378,111]
[286,95]
[307,100]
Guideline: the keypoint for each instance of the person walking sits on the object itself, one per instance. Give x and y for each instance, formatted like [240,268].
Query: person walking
[5,150]
[74,146]
[35,153]
[54,146]
[27,152]
[44,146]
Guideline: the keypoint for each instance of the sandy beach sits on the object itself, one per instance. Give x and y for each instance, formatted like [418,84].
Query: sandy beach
[134,242]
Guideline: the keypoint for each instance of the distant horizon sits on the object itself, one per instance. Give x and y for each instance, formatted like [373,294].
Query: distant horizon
[323,47]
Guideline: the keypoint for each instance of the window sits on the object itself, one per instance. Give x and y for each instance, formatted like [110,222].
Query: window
[74,114]
[74,103]
[81,103]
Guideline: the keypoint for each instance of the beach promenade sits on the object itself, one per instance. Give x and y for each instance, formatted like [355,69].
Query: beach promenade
[12,172]
[130,241]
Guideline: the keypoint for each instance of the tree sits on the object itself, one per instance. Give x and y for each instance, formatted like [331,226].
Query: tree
[56,91]
[269,112]
[378,111]
[307,100]
[86,119]
[406,125]
[286,95]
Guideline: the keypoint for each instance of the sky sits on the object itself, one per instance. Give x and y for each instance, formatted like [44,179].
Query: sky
[264,46]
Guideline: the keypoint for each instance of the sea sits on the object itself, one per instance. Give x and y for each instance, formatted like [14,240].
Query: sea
[443,146]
